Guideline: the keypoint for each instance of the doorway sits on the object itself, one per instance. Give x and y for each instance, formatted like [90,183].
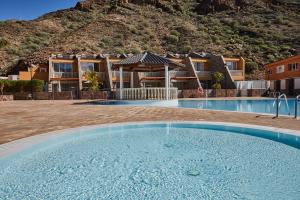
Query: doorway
[290,87]
[277,85]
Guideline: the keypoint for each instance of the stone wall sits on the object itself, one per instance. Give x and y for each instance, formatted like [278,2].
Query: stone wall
[6,97]
[41,95]
[256,92]
[93,95]
[220,93]
[190,94]
[19,95]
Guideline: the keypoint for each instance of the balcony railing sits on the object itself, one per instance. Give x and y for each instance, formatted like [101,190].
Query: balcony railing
[203,73]
[64,75]
[236,72]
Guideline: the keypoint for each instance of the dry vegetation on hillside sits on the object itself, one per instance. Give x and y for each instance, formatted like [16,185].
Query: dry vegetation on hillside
[260,30]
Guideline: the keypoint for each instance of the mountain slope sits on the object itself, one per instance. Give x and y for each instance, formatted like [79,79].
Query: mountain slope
[259,30]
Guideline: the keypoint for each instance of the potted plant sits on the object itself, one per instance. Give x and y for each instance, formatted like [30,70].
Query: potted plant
[217,77]
[2,85]
[92,78]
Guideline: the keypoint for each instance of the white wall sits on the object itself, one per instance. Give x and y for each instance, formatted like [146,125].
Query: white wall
[297,83]
[256,84]
[283,84]
[272,85]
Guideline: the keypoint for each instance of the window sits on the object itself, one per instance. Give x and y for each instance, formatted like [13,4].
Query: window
[42,69]
[293,66]
[87,67]
[199,66]
[231,65]
[62,67]
[270,71]
[280,69]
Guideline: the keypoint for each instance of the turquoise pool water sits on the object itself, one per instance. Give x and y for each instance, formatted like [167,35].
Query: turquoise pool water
[156,161]
[264,106]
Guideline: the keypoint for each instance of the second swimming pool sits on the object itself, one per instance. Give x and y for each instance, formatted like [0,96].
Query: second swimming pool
[264,106]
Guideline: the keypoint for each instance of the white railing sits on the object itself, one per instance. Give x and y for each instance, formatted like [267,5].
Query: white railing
[147,93]
[64,75]
[256,84]
[236,72]
[203,73]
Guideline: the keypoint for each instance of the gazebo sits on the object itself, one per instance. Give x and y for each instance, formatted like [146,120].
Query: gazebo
[147,62]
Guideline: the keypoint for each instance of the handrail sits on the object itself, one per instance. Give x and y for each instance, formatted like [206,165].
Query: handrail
[296,106]
[275,95]
[278,104]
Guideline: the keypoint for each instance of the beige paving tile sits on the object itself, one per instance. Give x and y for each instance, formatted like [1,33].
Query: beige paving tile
[19,119]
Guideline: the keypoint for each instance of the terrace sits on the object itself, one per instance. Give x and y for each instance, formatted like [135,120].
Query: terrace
[27,118]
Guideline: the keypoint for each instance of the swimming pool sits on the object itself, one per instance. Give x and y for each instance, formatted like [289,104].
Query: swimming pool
[181,160]
[263,106]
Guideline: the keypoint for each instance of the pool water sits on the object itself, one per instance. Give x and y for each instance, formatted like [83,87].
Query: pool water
[263,106]
[156,161]
[266,106]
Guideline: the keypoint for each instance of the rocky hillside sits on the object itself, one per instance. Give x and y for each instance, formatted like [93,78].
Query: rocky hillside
[260,30]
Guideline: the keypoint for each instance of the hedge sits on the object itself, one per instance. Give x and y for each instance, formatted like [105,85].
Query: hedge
[23,86]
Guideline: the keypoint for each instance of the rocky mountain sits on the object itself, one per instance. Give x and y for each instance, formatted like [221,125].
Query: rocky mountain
[259,30]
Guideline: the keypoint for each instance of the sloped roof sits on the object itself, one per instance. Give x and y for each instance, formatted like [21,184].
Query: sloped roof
[148,58]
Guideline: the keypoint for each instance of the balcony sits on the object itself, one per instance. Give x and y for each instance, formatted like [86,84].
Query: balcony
[236,72]
[204,74]
[64,75]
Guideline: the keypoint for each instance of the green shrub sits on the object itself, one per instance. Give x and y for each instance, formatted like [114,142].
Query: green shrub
[173,39]
[42,35]
[185,48]
[107,41]
[216,86]
[3,43]
[14,51]
[23,86]
[174,32]
[119,51]
[251,67]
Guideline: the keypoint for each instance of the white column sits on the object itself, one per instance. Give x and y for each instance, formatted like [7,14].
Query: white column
[80,74]
[131,80]
[167,81]
[50,75]
[121,82]
[59,86]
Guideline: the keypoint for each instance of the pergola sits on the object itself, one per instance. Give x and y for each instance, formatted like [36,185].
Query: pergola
[146,62]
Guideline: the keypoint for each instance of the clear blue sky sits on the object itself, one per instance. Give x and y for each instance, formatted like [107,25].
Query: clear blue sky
[31,9]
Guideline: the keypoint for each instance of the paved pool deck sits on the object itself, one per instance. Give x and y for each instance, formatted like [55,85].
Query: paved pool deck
[20,119]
